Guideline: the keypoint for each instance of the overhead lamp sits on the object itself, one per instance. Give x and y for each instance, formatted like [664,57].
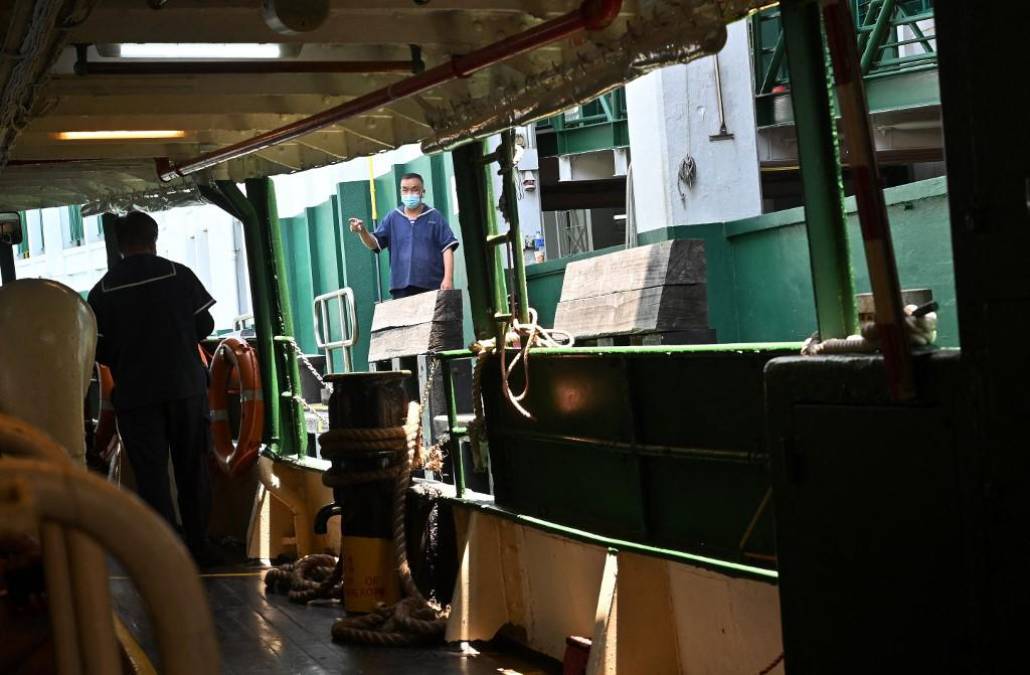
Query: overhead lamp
[199,50]
[119,135]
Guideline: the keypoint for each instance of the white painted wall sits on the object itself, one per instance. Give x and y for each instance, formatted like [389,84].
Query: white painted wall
[298,191]
[200,237]
[530,222]
[672,113]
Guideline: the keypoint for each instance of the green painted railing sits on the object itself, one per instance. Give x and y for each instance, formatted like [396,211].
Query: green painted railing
[599,124]
[878,23]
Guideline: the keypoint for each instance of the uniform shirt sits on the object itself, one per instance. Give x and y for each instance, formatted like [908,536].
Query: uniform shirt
[416,247]
[147,309]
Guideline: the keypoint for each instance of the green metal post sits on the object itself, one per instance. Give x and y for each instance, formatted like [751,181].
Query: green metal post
[261,194]
[107,222]
[499,283]
[480,260]
[511,214]
[452,421]
[883,22]
[819,157]
[228,196]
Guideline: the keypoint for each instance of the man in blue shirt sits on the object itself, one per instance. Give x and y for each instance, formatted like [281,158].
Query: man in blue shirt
[419,239]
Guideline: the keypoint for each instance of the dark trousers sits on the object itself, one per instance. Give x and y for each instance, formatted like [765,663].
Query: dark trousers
[397,293]
[182,427]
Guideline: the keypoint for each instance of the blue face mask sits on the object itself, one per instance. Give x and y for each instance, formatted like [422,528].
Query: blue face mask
[411,201]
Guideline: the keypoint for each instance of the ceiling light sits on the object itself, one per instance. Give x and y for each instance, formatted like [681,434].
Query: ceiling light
[202,50]
[117,135]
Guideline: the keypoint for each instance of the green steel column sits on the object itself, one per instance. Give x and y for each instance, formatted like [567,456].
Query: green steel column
[261,194]
[495,263]
[820,170]
[107,222]
[511,213]
[230,199]
[481,262]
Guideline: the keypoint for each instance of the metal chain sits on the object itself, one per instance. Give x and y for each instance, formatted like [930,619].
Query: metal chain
[419,446]
[427,388]
[322,419]
[304,359]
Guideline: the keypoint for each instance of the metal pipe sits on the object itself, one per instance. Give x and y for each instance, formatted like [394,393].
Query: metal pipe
[472,209]
[261,193]
[819,157]
[723,135]
[85,68]
[457,461]
[872,208]
[591,15]
[515,243]
[872,47]
[774,67]
[497,283]
[623,447]
[228,196]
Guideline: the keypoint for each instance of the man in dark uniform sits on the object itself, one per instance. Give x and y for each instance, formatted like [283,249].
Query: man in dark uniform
[151,313]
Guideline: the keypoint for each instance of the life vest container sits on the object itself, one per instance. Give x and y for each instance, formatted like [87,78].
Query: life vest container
[107,428]
[234,368]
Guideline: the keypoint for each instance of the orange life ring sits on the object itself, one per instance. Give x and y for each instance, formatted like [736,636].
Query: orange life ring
[107,429]
[235,357]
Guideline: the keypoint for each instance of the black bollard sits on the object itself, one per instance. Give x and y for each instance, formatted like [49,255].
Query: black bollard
[363,408]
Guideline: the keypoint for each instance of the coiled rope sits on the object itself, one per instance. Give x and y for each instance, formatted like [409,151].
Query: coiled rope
[920,326]
[525,336]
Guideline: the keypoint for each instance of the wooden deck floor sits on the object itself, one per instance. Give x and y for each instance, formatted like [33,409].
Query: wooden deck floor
[261,634]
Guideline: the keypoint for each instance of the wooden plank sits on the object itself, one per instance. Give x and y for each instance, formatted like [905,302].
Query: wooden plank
[417,309]
[680,261]
[635,311]
[414,340]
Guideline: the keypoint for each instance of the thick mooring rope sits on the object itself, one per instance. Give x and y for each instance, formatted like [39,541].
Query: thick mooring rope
[313,577]
[527,337]
[920,327]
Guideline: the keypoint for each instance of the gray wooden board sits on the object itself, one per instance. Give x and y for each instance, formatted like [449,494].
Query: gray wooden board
[418,309]
[662,308]
[669,263]
[413,340]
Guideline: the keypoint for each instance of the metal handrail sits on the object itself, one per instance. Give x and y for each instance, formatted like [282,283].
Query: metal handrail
[240,322]
[348,327]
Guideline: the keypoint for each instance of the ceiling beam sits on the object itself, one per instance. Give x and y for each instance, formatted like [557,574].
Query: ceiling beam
[276,84]
[460,30]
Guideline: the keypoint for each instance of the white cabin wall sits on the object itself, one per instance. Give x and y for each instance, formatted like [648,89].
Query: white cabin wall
[673,112]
